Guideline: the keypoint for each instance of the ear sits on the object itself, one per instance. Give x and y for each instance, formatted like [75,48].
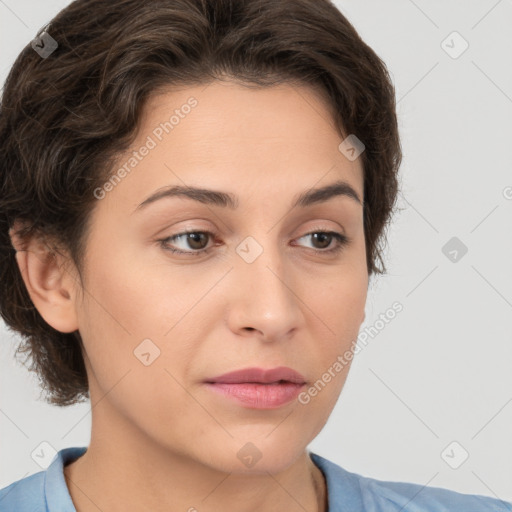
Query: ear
[51,286]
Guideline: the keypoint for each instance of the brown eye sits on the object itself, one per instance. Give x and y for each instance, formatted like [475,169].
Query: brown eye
[322,240]
[193,242]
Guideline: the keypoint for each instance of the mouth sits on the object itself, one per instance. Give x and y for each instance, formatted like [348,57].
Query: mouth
[257,388]
[260,376]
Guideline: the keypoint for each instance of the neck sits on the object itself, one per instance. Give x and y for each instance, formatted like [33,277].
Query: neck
[127,471]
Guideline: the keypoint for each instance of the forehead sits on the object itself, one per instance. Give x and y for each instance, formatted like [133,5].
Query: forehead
[226,136]
[231,115]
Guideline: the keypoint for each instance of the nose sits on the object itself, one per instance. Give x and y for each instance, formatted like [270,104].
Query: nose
[264,299]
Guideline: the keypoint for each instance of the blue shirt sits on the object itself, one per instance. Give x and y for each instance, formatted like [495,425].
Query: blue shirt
[46,491]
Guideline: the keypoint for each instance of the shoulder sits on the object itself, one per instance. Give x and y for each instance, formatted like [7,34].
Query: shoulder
[43,491]
[415,497]
[24,495]
[369,494]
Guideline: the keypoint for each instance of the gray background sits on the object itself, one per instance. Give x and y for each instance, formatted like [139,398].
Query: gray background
[440,371]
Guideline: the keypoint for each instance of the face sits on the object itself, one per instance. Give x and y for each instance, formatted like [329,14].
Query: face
[255,284]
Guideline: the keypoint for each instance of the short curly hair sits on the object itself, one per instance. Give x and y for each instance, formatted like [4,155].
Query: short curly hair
[66,117]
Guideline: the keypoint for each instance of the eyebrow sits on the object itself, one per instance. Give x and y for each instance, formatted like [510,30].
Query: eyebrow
[228,200]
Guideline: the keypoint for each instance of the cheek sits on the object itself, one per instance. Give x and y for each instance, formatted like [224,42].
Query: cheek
[342,298]
[135,313]
[339,308]
[123,327]
[133,299]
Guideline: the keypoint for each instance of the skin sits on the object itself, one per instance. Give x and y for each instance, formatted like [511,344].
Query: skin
[160,440]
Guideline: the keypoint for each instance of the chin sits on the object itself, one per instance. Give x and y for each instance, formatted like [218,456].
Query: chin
[261,455]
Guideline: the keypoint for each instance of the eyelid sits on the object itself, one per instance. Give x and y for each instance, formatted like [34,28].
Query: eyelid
[180,234]
[341,240]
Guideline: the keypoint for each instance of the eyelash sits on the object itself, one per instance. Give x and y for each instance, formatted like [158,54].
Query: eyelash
[341,242]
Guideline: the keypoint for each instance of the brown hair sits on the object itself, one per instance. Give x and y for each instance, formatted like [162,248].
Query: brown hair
[65,118]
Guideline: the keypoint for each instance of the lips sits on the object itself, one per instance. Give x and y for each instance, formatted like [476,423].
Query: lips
[259,376]
[257,388]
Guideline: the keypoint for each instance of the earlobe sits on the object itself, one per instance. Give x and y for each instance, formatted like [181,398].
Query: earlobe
[49,284]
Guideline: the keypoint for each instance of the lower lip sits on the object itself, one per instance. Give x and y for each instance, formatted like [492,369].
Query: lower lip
[258,396]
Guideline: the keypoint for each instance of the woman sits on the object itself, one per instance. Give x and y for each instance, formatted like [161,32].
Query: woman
[194,196]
